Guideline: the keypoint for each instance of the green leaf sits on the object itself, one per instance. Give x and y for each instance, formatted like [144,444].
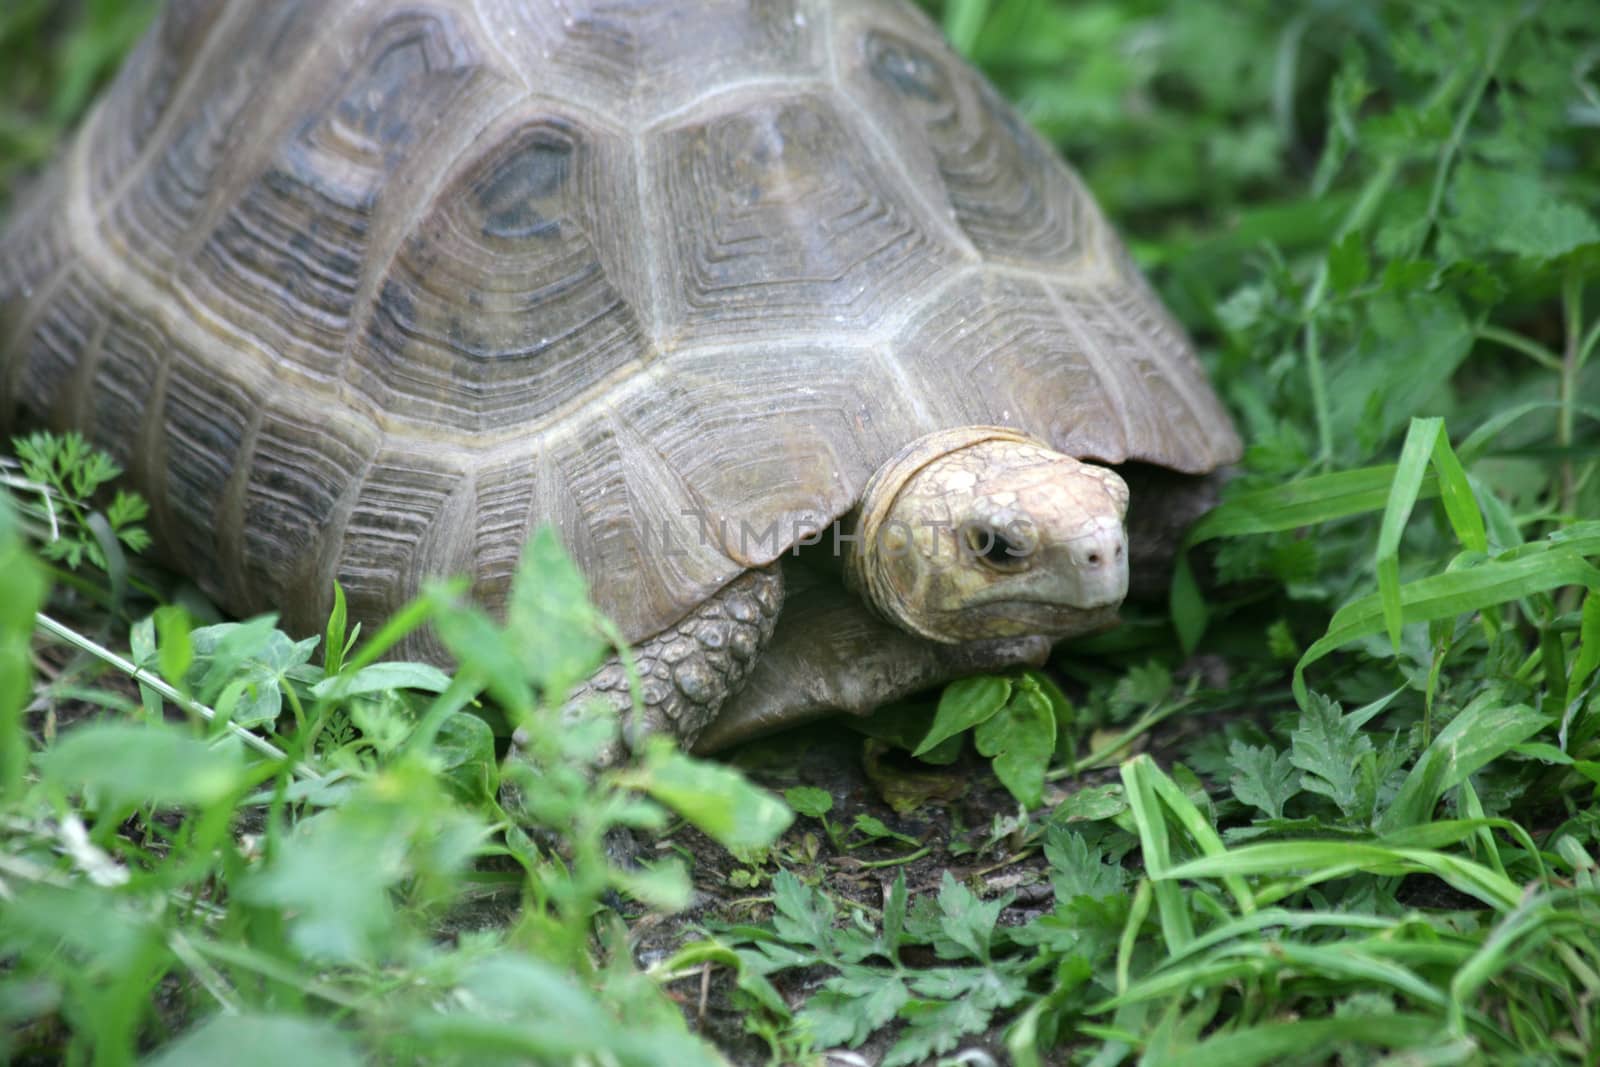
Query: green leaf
[1338,859]
[382,678]
[934,1027]
[1423,331]
[125,510]
[100,929]
[151,763]
[716,799]
[1516,212]
[332,877]
[22,593]
[384,723]
[71,470]
[1455,493]
[852,1006]
[809,801]
[750,978]
[1348,265]
[1187,605]
[512,1007]
[1426,441]
[1279,1042]
[465,748]
[486,652]
[1092,803]
[254,659]
[1306,502]
[1483,731]
[261,1041]
[1079,870]
[513,984]
[1140,687]
[1536,568]
[870,826]
[105,552]
[1263,777]
[894,916]
[801,915]
[549,620]
[1061,708]
[663,885]
[966,920]
[1397,511]
[963,705]
[1332,750]
[24,1001]
[335,636]
[903,724]
[989,987]
[1021,738]
[1588,658]
[834,1019]
[175,646]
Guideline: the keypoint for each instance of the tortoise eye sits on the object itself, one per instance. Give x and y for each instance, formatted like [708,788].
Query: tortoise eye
[994,550]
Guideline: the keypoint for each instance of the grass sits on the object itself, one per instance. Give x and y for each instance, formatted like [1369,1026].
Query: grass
[1351,817]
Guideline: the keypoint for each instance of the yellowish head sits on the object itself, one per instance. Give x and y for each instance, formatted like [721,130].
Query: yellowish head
[983,532]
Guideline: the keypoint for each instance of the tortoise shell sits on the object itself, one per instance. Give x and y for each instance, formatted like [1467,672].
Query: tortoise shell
[365,291]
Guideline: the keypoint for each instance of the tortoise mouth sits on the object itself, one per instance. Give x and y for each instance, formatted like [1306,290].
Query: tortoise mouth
[1014,617]
[1066,595]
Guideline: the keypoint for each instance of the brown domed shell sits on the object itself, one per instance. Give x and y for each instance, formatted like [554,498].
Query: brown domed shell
[365,291]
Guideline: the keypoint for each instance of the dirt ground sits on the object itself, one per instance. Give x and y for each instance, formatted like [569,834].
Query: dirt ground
[953,824]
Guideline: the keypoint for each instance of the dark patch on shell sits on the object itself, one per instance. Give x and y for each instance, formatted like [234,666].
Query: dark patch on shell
[904,67]
[535,172]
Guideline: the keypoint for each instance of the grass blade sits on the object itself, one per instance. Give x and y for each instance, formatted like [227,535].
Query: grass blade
[1444,596]
[1333,859]
[1408,475]
[1306,502]
[1300,1040]
[1138,775]
[1485,730]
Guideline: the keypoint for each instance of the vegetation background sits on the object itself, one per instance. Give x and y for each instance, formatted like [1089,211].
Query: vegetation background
[1370,836]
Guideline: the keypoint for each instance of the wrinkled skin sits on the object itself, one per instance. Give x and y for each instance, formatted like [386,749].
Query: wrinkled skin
[982,533]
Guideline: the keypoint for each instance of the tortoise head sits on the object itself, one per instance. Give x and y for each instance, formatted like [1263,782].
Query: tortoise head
[984,532]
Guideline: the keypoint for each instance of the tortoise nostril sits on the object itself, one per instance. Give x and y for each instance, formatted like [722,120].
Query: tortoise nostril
[1094,559]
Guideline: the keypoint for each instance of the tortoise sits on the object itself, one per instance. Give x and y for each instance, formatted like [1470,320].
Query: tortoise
[815,356]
